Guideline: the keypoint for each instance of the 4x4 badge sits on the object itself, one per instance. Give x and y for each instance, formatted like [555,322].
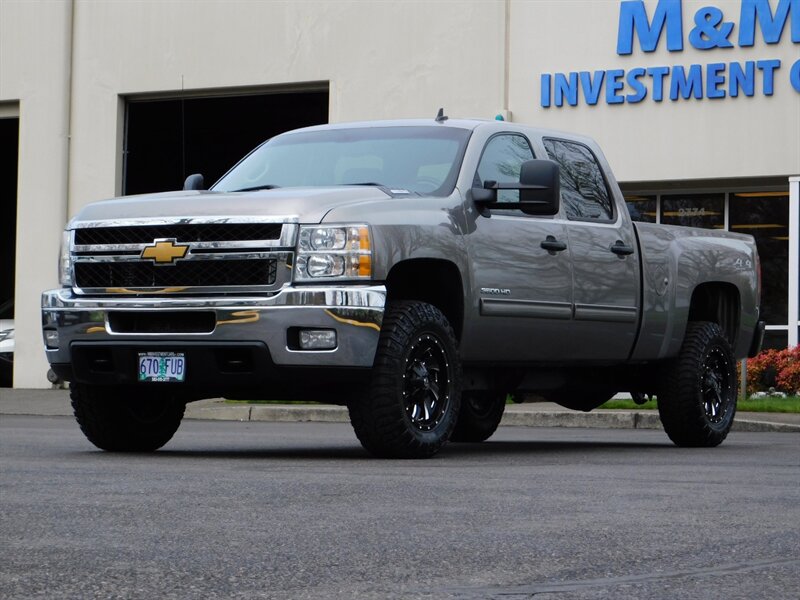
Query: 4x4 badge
[164,251]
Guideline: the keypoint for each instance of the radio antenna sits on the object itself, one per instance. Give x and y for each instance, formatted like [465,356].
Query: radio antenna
[183,131]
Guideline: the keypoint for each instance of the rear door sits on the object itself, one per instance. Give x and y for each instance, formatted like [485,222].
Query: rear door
[604,255]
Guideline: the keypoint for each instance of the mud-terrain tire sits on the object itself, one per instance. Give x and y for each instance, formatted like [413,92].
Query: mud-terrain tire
[479,416]
[697,396]
[120,419]
[411,403]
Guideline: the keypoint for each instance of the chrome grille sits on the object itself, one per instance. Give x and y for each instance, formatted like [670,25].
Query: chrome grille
[222,257]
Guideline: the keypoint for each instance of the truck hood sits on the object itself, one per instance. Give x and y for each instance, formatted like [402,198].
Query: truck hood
[303,205]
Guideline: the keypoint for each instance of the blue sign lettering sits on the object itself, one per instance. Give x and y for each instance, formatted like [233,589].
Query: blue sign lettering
[658,74]
[772,26]
[742,79]
[640,91]
[545,93]
[686,86]
[614,84]
[794,76]
[633,18]
[617,86]
[714,80]
[592,85]
[768,67]
[711,30]
[566,88]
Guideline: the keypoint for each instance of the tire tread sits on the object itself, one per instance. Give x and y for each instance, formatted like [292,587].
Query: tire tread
[105,417]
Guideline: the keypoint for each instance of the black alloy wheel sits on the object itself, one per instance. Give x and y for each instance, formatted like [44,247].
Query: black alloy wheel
[426,389]
[716,385]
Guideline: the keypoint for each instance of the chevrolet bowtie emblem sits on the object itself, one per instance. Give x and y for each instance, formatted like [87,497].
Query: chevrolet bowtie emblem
[164,252]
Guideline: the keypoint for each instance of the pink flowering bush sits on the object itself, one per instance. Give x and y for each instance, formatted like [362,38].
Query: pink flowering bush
[779,369]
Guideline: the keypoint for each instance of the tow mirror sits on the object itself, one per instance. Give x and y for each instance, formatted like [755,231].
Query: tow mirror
[194,182]
[540,187]
[539,190]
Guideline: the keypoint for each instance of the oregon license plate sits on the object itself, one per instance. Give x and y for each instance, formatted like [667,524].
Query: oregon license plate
[162,366]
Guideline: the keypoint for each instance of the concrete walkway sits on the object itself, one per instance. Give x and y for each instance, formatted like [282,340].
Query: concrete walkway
[539,414]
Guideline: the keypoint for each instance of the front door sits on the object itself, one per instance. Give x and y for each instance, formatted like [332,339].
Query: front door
[521,280]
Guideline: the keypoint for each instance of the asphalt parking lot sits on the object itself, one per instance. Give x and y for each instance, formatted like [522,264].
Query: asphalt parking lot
[297,510]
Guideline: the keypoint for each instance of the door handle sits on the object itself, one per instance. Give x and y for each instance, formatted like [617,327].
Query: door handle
[552,245]
[620,249]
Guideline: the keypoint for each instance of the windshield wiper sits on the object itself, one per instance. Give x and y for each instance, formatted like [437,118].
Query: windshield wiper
[266,186]
[372,183]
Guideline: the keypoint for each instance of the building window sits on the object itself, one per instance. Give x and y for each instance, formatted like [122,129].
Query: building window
[765,216]
[694,210]
[775,339]
[643,208]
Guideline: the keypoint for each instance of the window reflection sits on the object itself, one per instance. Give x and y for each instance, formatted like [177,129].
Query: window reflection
[584,193]
[502,161]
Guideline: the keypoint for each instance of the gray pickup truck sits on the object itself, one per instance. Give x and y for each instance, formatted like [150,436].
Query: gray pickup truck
[417,272]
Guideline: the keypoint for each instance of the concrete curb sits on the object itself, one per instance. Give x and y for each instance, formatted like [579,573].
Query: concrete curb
[764,426]
[56,403]
[515,417]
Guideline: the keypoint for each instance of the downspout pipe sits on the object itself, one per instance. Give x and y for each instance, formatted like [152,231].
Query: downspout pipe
[68,72]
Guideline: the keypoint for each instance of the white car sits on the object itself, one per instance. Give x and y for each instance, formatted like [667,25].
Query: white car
[6,342]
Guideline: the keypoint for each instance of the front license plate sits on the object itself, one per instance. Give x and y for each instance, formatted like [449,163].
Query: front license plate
[162,366]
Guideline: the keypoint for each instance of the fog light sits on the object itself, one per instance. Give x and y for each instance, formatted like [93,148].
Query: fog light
[317,339]
[51,338]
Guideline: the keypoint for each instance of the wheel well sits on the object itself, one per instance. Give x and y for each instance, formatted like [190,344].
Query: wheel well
[437,282]
[718,303]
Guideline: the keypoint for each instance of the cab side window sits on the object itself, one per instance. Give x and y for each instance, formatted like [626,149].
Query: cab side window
[584,193]
[501,161]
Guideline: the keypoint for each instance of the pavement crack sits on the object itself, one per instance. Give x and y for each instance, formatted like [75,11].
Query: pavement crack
[533,590]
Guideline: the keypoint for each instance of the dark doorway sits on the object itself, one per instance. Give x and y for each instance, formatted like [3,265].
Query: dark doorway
[9,150]
[168,139]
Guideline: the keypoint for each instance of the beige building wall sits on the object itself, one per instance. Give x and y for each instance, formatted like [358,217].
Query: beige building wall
[67,68]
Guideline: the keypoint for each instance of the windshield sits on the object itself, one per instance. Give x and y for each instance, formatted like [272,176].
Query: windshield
[422,160]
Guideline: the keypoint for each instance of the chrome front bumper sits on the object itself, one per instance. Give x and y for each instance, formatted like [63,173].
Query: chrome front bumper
[355,312]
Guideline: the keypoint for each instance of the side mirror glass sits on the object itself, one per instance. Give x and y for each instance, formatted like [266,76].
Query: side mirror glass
[194,182]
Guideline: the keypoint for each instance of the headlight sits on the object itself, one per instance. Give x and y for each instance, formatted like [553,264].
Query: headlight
[65,261]
[334,252]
